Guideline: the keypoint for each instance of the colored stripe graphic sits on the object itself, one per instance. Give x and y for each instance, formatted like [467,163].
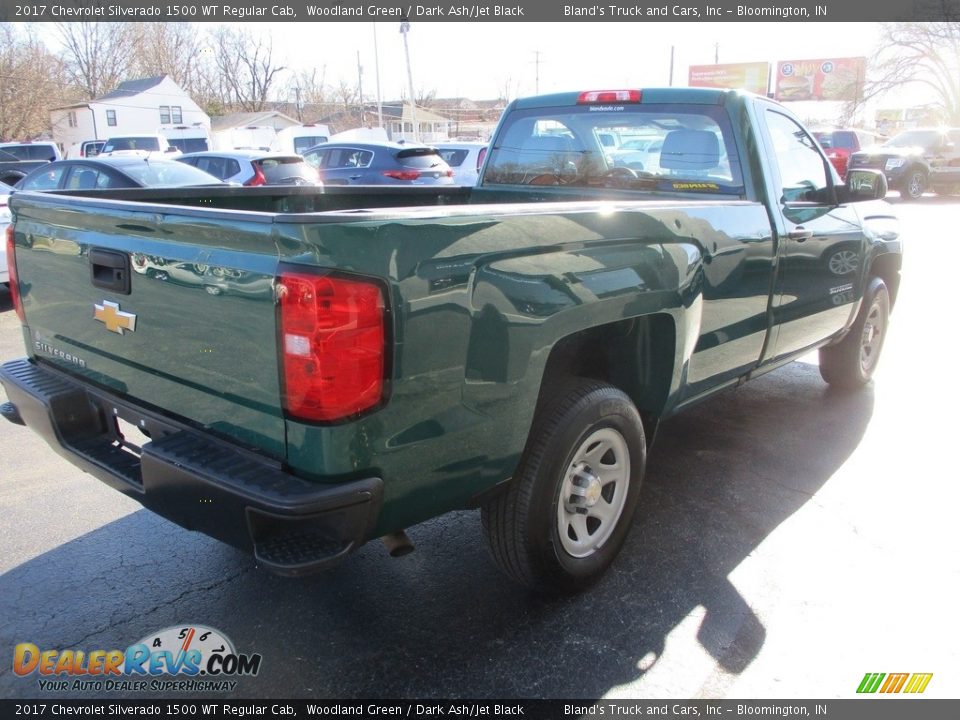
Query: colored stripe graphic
[870,682]
[918,683]
[894,683]
[915,683]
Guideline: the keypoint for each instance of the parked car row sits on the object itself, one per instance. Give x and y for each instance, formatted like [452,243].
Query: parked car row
[143,160]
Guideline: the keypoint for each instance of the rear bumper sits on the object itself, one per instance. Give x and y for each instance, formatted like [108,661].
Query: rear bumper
[200,482]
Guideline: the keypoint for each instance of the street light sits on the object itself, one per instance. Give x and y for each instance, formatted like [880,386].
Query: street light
[404,29]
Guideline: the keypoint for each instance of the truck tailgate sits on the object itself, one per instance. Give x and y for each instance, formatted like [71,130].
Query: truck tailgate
[194,333]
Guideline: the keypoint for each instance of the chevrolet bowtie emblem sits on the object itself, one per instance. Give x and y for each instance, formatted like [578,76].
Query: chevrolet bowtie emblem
[116,321]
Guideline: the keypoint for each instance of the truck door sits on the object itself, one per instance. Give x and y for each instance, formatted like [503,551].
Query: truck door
[821,244]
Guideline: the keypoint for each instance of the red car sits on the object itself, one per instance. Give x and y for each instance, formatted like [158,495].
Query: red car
[839,145]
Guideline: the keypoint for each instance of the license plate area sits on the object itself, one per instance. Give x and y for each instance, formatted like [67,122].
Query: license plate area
[129,436]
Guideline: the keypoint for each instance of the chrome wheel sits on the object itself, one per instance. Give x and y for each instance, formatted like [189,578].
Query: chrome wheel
[593,492]
[871,339]
[844,262]
[916,184]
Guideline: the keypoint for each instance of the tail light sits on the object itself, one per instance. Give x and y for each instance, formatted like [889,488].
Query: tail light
[14,282]
[332,345]
[402,174]
[258,177]
[480,156]
[608,96]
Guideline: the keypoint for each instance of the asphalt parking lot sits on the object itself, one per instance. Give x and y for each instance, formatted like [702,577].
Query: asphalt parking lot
[789,540]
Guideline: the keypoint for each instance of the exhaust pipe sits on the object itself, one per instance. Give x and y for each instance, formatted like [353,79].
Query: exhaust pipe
[397,543]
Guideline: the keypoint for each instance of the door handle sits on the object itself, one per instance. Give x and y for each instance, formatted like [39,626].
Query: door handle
[110,270]
[800,234]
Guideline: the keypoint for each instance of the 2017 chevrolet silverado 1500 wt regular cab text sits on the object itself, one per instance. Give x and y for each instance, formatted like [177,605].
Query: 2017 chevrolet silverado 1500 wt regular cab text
[310,369]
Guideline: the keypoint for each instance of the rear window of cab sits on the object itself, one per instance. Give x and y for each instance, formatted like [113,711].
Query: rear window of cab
[655,147]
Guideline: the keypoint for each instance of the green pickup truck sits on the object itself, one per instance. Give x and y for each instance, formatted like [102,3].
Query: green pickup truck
[296,371]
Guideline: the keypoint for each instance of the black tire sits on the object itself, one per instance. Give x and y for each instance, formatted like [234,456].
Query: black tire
[851,363]
[524,524]
[914,184]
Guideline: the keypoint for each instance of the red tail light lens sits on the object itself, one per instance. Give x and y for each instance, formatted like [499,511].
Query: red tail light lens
[480,156]
[608,96]
[14,282]
[333,345]
[402,174]
[258,177]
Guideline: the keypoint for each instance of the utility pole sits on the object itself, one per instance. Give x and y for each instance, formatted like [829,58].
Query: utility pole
[716,53]
[536,62]
[671,65]
[360,87]
[404,29]
[296,92]
[376,64]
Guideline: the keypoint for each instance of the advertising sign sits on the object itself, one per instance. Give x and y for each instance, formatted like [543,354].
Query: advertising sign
[739,76]
[825,79]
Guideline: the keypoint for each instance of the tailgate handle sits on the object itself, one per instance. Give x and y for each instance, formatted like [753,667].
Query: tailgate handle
[110,270]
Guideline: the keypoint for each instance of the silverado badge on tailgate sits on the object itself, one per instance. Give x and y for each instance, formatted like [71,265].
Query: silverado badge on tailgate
[115,319]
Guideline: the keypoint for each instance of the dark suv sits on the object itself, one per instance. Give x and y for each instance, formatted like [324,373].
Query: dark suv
[915,160]
[379,164]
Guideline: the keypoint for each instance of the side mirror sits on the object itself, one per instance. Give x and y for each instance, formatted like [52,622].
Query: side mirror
[865,185]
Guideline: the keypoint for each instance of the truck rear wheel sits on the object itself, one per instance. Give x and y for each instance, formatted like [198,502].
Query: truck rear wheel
[851,363]
[571,503]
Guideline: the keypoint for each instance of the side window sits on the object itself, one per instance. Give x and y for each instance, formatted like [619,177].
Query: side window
[213,165]
[803,174]
[81,177]
[317,159]
[362,158]
[339,158]
[48,179]
[105,179]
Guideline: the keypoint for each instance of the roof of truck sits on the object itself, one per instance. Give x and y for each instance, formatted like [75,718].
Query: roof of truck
[696,96]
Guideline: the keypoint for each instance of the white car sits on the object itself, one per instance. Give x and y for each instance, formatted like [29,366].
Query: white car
[5,191]
[153,147]
[464,158]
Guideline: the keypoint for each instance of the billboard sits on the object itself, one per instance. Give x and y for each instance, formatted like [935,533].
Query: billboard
[824,79]
[739,76]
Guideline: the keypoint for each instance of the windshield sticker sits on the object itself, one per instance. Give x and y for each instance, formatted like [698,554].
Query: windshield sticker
[607,108]
[695,186]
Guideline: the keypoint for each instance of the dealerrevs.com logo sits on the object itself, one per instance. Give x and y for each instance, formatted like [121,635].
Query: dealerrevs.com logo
[182,658]
[910,683]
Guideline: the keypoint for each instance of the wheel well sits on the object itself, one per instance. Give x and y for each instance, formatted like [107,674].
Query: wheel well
[887,268]
[634,355]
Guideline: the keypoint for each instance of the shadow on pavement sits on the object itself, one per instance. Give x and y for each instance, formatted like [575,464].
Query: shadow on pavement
[442,622]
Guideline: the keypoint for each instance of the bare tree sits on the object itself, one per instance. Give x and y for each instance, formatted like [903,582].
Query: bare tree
[311,85]
[346,96]
[426,98]
[98,56]
[925,54]
[245,69]
[508,89]
[172,49]
[32,81]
